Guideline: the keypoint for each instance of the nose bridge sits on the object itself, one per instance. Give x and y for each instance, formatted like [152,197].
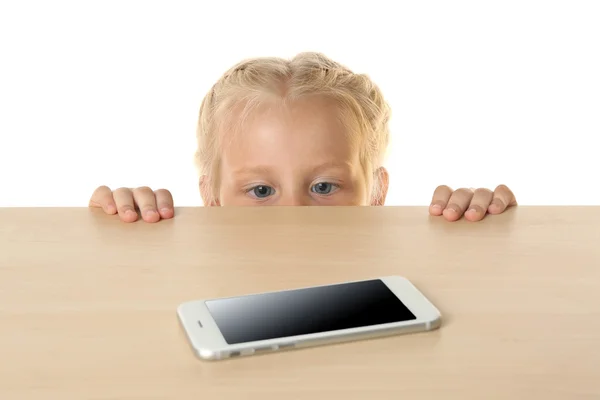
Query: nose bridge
[294,197]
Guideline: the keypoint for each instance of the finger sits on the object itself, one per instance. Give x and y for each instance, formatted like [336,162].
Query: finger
[125,204]
[164,202]
[146,202]
[479,204]
[458,203]
[439,201]
[103,198]
[502,199]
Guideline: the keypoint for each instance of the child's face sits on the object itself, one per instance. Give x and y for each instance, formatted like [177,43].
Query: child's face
[302,158]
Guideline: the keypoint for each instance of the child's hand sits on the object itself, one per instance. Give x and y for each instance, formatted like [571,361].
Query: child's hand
[153,205]
[474,204]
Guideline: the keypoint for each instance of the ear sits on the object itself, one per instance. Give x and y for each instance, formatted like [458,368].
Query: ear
[382,181]
[206,192]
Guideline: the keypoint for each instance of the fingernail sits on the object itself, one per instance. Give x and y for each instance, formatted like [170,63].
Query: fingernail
[472,210]
[452,208]
[436,207]
[149,212]
[498,203]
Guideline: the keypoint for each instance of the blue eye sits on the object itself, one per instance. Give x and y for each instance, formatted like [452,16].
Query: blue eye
[262,191]
[323,188]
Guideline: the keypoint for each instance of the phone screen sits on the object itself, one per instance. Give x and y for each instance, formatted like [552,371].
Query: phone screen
[305,311]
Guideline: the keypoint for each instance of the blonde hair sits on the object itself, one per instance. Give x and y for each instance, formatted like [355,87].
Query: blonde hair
[247,84]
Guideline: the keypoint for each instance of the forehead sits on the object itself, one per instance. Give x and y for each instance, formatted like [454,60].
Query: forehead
[299,132]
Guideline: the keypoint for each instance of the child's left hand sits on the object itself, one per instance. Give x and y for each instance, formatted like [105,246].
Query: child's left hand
[474,204]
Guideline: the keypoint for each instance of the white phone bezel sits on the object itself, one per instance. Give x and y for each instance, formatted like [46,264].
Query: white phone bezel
[209,344]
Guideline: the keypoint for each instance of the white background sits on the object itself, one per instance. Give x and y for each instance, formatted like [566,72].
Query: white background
[482,92]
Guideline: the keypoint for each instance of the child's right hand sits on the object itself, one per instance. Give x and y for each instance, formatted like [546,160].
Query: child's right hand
[153,205]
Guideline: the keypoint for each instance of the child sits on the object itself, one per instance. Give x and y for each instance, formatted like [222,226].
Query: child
[306,131]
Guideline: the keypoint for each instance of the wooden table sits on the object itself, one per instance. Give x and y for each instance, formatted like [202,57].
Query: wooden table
[87,303]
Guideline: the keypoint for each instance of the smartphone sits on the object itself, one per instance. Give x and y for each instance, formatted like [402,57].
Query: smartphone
[265,322]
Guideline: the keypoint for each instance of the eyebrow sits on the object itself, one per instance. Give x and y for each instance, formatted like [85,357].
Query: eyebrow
[346,166]
[255,170]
